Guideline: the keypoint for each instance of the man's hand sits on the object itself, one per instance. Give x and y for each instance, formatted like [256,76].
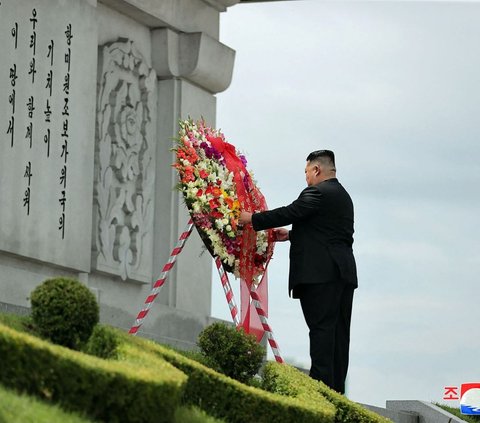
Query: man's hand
[245,218]
[281,234]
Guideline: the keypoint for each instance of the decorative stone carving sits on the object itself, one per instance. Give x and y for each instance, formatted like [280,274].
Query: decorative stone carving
[124,163]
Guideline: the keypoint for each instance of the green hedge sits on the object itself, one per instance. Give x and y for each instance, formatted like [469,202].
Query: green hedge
[228,399]
[140,386]
[105,390]
[286,380]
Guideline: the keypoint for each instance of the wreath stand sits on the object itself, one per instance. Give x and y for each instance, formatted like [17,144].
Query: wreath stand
[227,288]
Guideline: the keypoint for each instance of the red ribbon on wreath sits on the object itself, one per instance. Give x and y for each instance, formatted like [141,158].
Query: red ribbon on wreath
[251,200]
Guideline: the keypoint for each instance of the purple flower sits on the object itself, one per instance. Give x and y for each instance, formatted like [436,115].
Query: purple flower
[212,153]
[202,220]
[246,182]
[231,244]
[243,159]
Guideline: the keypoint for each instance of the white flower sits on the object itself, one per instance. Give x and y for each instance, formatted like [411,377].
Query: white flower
[225,211]
[192,193]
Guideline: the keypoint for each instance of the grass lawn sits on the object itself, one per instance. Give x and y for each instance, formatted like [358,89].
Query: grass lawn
[20,323]
[17,408]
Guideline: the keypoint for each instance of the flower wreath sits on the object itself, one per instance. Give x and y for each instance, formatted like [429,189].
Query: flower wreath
[216,186]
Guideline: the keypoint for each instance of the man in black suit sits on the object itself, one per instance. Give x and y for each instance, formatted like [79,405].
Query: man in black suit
[322,266]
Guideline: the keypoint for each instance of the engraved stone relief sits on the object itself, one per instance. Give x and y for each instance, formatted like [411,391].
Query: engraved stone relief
[124,163]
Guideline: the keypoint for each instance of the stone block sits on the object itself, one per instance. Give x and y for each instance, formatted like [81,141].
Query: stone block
[394,416]
[184,15]
[196,57]
[87,133]
[46,149]
[427,412]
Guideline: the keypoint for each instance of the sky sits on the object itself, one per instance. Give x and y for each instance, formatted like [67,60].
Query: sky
[393,88]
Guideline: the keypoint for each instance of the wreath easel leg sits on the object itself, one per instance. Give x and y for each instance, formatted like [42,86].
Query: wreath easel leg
[227,288]
[258,306]
[266,327]
[161,280]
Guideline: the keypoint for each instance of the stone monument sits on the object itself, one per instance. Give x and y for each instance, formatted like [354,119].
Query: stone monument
[91,93]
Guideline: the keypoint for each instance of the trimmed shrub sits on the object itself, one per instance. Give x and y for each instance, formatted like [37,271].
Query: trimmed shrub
[233,352]
[111,391]
[64,311]
[228,399]
[286,380]
[103,342]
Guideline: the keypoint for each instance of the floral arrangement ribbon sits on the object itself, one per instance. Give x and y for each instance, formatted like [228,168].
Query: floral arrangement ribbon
[216,186]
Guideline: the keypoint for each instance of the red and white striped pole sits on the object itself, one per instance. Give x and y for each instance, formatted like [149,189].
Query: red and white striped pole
[227,288]
[161,280]
[266,327]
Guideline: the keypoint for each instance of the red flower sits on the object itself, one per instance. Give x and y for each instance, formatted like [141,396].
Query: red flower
[229,202]
[188,178]
[215,191]
[188,175]
[187,153]
[214,204]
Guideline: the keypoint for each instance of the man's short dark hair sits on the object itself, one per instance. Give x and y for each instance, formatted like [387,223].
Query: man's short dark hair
[324,156]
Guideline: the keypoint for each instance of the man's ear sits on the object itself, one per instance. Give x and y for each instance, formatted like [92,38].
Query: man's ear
[318,170]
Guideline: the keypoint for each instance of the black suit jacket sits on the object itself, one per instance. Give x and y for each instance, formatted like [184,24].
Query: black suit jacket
[321,237]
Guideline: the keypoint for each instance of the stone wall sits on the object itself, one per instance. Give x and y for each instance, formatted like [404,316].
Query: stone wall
[91,96]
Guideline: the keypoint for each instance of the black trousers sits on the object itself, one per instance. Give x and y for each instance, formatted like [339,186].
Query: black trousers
[328,310]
